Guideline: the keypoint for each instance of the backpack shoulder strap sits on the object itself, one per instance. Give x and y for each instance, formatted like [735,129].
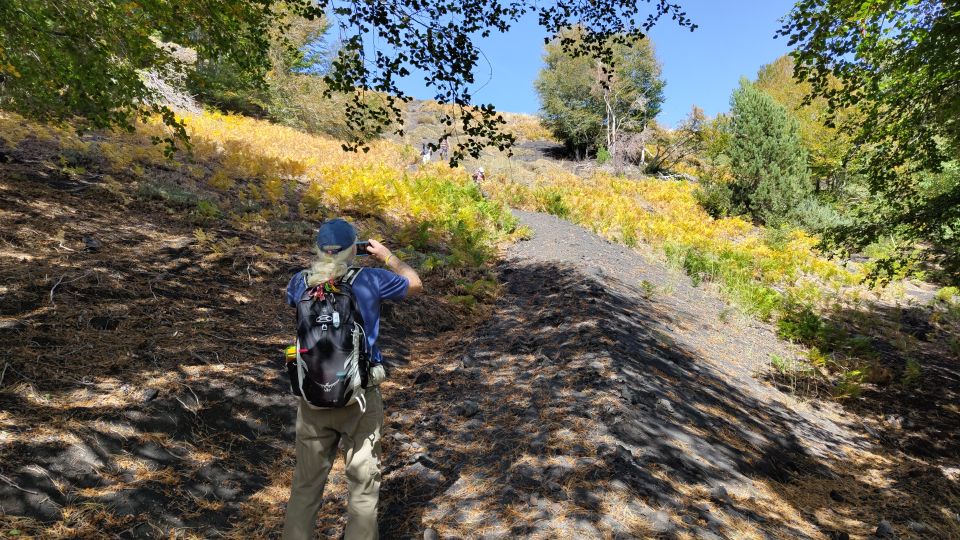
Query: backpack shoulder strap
[351,275]
[306,285]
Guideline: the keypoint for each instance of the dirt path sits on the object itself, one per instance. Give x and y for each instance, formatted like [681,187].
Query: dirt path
[610,398]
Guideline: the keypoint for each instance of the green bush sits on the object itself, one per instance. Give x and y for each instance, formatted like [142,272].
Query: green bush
[801,325]
[603,155]
[551,202]
[732,271]
[716,198]
[206,211]
[912,373]
[816,216]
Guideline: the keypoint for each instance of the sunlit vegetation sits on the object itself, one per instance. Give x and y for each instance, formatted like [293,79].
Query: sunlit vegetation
[772,273]
[263,172]
[760,270]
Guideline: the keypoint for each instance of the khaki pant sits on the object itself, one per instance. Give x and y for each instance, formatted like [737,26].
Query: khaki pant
[319,432]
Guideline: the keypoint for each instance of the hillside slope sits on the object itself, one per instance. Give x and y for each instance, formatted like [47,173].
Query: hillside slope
[615,401]
[593,393]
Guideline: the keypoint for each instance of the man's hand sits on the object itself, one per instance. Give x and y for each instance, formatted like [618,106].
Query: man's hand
[378,250]
[383,254]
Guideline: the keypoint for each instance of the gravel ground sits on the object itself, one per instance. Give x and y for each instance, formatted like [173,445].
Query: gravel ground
[606,397]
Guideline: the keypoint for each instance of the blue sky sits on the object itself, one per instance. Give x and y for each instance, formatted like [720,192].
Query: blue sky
[734,38]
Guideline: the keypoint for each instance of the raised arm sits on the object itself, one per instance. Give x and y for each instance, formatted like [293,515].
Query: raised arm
[383,254]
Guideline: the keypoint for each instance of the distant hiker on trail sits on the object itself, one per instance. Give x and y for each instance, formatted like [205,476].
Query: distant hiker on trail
[444,148]
[335,369]
[478,175]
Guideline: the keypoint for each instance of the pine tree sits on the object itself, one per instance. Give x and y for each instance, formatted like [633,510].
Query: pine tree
[767,157]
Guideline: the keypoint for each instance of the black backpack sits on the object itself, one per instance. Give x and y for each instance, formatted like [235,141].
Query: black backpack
[331,366]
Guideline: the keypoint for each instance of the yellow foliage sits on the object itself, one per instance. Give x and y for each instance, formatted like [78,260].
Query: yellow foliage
[267,169]
[526,127]
[665,213]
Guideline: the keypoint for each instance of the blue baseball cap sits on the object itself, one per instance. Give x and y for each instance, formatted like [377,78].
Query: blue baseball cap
[335,235]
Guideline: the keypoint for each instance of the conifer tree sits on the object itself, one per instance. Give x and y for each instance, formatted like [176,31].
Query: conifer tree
[767,157]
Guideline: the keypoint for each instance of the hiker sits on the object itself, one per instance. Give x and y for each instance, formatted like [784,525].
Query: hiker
[444,148]
[355,294]
[478,175]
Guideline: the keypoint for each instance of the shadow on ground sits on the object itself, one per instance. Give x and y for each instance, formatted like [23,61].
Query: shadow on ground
[919,409]
[141,393]
[592,422]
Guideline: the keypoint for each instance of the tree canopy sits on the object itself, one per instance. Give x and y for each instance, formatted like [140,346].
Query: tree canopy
[896,62]
[827,145]
[589,103]
[83,59]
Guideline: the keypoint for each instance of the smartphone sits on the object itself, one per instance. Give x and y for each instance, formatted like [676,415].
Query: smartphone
[362,248]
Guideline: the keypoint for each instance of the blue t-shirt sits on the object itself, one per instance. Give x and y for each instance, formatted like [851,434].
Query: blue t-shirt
[372,286]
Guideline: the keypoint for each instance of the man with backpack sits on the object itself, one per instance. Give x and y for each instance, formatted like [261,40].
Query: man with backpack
[336,368]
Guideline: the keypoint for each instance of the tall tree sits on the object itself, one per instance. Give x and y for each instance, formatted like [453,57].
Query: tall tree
[896,61]
[631,91]
[588,102]
[81,58]
[827,145]
[569,106]
[767,157]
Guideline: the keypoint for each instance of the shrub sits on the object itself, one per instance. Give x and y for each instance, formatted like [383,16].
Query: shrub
[552,202]
[816,216]
[912,373]
[206,210]
[716,198]
[850,384]
[801,325]
[947,296]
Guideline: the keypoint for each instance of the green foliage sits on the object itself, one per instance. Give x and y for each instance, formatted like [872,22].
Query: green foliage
[850,384]
[782,365]
[734,272]
[912,373]
[767,157]
[891,259]
[207,210]
[647,289]
[84,60]
[827,145]
[586,103]
[465,300]
[816,216]
[947,295]
[603,155]
[918,207]
[895,62]
[552,202]
[802,325]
